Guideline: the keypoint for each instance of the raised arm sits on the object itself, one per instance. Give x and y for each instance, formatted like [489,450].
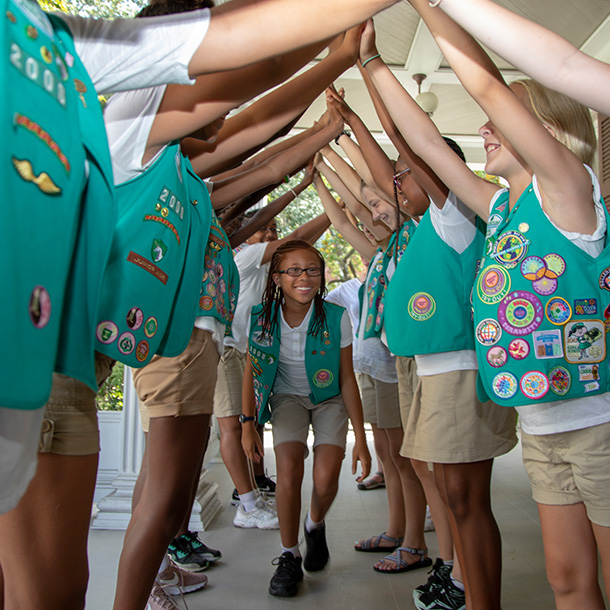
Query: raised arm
[346,172]
[535,50]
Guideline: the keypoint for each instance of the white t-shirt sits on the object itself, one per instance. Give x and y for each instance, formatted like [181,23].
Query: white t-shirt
[455,224]
[576,413]
[291,376]
[346,295]
[252,279]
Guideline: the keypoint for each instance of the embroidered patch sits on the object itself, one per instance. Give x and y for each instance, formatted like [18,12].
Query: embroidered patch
[547,344]
[588,372]
[126,343]
[520,313]
[150,327]
[504,385]
[148,266]
[524,227]
[488,332]
[592,386]
[533,268]
[534,384]
[323,378]
[497,356]
[555,265]
[35,129]
[519,349]
[421,306]
[560,380]
[584,341]
[558,311]
[106,332]
[158,250]
[134,318]
[585,307]
[604,279]
[206,303]
[142,350]
[165,223]
[39,307]
[545,286]
[369,322]
[493,284]
[43,181]
[510,248]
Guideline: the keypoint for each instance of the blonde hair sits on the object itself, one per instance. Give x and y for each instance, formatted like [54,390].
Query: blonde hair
[570,121]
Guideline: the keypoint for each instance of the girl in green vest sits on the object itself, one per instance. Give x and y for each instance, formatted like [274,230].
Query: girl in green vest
[537,141]
[300,373]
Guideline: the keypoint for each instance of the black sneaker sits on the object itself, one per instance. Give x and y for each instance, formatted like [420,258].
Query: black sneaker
[317,554]
[180,552]
[201,549]
[288,575]
[446,597]
[439,575]
[265,485]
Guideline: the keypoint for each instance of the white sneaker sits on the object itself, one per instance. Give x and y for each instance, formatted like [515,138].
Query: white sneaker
[428,523]
[262,516]
[160,600]
[176,581]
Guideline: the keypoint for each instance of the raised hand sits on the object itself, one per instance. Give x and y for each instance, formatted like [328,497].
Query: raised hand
[368,45]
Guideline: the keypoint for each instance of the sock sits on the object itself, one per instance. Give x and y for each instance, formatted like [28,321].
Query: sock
[164,564]
[292,549]
[448,562]
[311,525]
[248,501]
[457,584]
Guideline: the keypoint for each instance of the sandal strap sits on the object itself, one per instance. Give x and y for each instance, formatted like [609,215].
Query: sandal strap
[421,552]
[373,542]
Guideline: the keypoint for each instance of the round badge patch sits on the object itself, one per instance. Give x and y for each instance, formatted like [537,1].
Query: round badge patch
[421,306]
[604,279]
[135,317]
[497,356]
[558,311]
[524,227]
[206,303]
[126,343]
[323,378]
[560,380]
[519,349]
[488,332]
[142,351]
[510,248]
[555,265]
[106,332]
[493,284]
[504,385]
[520,313]
[369,322]
[534,384]
[39,307]
[533,268]
[150,327]
[545,286]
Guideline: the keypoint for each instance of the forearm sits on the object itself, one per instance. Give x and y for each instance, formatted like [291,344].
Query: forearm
[348,175]
[353,404]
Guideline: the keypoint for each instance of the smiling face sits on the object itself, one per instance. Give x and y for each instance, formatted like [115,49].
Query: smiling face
[381,209]
[417,202]
[265,234]
[299,291]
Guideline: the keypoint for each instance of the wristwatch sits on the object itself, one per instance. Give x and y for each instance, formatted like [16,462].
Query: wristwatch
[244,418]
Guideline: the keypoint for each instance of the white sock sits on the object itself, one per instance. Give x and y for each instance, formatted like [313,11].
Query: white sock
[292,549]
[457,584]
[311,525]
[448,562]
[248,501]
[164,564]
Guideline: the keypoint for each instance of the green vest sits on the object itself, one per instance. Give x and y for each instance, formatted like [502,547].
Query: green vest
[371,294]
[51,126]
[541,308]
[322,359]
[427,304]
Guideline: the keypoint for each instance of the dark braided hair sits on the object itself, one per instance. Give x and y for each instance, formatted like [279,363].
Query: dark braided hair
[273,295]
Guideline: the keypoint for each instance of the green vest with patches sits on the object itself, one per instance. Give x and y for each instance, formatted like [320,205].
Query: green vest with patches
[370,294]
[56,219]
[541,310]
[427,304]
[156,260]
[322,359]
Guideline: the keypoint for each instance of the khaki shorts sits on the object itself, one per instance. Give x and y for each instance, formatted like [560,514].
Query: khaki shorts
[571,467]
[406,370]
[227,398]
[448,425]
[379,401]
[183,385]
[292,415]
[70,425]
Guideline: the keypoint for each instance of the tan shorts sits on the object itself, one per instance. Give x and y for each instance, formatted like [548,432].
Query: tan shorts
[227,398]
[406,369]
[379,401]
[70,425]
[449,425]
[183,385]
[571,467]
[292,415]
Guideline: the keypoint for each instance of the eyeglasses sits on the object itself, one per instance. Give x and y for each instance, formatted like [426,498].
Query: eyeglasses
[297,271]
[397,177]
[271,229]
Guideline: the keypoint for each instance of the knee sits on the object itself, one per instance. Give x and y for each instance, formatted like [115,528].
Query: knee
[326,484]
[566,579]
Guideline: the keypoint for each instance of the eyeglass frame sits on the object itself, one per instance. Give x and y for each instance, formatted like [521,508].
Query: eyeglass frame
[397,175]
[301,270]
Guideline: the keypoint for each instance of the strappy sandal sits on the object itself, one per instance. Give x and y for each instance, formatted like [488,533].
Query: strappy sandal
[373,545]
[401,564]
[375,481]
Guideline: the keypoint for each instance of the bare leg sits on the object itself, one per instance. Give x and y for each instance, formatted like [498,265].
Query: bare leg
[173,459]
[55,512]
[233,454]
[571,556]
[290,465]
[326,469]
[259,468]
[602,537]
